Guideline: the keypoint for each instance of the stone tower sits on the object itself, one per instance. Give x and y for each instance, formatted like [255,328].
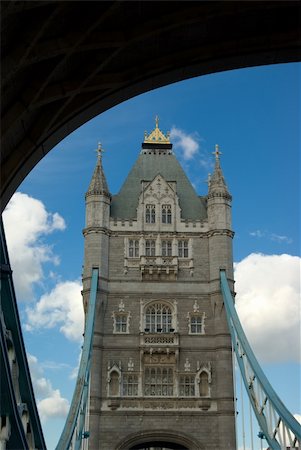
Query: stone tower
[161,372]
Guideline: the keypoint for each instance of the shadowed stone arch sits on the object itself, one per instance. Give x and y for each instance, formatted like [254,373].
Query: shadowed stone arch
[159,437]
[63,63]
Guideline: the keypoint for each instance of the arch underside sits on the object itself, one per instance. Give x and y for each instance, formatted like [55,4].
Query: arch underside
[159,439]
[63,63]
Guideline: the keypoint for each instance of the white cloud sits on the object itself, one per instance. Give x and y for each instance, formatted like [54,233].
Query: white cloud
[268,304]
[49,401]
[257,233]
[281,239]
[187,143]
[60,307]
[26,222]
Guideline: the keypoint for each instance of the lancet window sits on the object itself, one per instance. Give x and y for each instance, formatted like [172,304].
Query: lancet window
[204,384]
[166,214]
[150,213]
[183,248]
[166,248]
[133,248]
[114,384]
[150,247]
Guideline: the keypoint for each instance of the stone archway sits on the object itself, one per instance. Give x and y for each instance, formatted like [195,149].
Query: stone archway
[159,440]
[158,445]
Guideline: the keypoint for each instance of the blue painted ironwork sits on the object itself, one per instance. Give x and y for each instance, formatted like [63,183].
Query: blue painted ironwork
[278,426]
[16,392]
[73,431]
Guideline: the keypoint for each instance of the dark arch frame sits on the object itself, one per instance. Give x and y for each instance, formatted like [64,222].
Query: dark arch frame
[63,62]
[148,437]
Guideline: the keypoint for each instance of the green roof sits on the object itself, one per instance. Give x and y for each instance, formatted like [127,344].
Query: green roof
[147,167]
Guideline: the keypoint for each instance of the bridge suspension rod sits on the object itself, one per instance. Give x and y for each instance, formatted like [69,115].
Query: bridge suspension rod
[73,431]
[280,428]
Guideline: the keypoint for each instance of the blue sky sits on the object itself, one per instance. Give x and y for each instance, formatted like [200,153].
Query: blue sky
[254,115]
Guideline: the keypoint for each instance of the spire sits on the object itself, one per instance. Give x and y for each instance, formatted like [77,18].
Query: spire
[156,136]
[217,185]
[98,184]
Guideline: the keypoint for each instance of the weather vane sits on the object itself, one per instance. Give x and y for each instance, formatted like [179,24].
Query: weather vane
[99,151]
[217,153]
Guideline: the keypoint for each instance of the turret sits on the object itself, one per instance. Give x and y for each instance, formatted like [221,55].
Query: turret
[219,199]
[219,222]
[98,198]
[96,232]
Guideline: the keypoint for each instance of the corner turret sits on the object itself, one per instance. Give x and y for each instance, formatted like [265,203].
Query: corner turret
[98,197]
[219,198]
[219,222]
[96,231]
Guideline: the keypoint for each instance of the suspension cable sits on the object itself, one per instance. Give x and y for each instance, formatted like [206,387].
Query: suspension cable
[242,415]
[251,425]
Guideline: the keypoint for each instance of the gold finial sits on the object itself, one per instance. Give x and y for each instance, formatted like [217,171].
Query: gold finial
[217,153]
[99,151]
[156,136]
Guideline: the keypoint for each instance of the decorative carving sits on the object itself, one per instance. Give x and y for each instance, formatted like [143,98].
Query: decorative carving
[196,307]
[163,339]
[121,306]
[187,365]
[130,365]
[162,358]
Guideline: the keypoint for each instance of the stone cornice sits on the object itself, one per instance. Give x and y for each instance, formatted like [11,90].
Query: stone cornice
[96,230]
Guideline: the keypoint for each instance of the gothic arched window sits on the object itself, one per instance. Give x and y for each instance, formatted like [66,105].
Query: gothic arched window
[166,214]
[114,384]
[150,213]
[158,318]
[204,384]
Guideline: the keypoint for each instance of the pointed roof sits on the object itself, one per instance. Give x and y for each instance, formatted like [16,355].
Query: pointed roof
[217,184]
[98,184]
[148,165]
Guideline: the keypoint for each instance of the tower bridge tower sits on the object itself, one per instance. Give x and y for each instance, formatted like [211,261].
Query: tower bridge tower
[161,371]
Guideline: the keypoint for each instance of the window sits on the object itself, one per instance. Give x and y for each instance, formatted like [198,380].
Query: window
[158,381]
[121,321]
[150,213]
[133,248]
[114,384]
[130,385]
[166,214]
[166,248]
[196,324]
[183,249]
[187,385]
[150,247]
[158,318]
[204,384]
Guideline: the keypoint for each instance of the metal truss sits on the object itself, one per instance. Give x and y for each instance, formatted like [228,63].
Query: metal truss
[279,427]
[74,431]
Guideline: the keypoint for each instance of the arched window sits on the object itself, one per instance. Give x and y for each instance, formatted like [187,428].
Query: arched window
[158,318]
[204,384]
[166,214]
[114,384]
[150,213]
